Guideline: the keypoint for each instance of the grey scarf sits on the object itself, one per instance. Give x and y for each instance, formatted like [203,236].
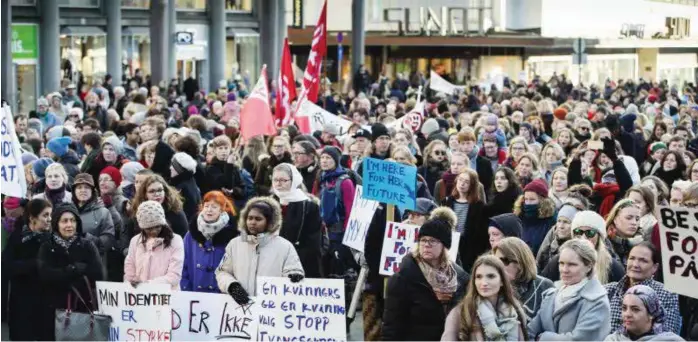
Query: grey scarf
[499,325]
[212,228]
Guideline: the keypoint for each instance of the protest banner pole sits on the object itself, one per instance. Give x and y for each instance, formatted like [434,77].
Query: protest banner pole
[419,93]
[357,291]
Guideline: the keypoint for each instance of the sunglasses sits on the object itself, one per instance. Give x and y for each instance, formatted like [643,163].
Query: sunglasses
[440,153]
[506,261]
[588,233]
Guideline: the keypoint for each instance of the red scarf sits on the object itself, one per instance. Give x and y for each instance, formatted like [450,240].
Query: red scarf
[607,191]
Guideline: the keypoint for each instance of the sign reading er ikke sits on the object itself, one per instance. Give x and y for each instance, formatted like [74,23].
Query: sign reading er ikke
[679,240]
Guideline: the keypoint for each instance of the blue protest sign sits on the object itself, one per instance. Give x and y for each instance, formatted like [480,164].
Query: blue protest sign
[390,182]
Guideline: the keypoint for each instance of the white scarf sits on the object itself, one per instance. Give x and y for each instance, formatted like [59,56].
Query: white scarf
[502,325]
[209,229]
[567,292]
[295,194]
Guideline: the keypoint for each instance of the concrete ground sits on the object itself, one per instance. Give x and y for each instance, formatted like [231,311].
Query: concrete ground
[356,329]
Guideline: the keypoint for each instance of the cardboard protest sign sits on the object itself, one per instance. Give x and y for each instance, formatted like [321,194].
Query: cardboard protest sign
[138,314]
[311,310]
[199,316]
[359,220]
[679,240]
[12,179]
[390,182]
[399,239]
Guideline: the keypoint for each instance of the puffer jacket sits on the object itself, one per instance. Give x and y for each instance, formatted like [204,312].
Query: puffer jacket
[247,258]
[152,262]
[98,225]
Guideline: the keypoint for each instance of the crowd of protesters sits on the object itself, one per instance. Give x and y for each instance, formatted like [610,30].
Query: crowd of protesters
[553,187]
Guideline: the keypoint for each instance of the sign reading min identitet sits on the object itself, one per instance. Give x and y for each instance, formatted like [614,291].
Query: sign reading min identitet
[390,182]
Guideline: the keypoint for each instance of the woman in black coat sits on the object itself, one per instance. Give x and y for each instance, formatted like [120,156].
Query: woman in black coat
[20,271]
[301,224]
[505,190]
[183,168]
[64,261]
[435,163]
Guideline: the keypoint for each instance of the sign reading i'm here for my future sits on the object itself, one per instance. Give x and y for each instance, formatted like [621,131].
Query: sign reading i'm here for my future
[679,240]
[12,180]
[390,182]
[310,310]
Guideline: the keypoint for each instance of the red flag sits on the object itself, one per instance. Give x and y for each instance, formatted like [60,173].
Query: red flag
[286,88]
[318,50]
[255,116]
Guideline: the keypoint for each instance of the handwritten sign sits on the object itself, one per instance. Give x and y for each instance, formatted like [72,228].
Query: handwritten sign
[359,220]
[399,239]
[311,310]
[138,314]
[390,182]
[199,316]
[679,240]
[12,179]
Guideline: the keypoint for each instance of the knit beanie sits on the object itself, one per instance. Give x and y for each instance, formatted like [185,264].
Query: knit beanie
[183,162]
[560,113]
[150,214]
[83,178]
[654,147]
[378,130]
[508,223]
[539,187]
[591,219]
[113,173]
[115,143]
[11,203]
[491,119]
[424,206]
[568,211]
[430,126]
[438,229]
[330,129]
[334,153]
[628,122]
[527,126]
[128,172]
[39,166]
[56,132]
[59,146]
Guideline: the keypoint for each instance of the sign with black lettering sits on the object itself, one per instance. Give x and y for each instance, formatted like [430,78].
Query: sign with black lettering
[679,240]
[138,314]
[199,316]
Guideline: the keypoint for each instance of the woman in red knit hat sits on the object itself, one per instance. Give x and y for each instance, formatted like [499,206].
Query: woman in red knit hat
[537,213]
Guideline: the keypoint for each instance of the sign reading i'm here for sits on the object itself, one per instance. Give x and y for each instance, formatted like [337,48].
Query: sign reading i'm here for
[390,182]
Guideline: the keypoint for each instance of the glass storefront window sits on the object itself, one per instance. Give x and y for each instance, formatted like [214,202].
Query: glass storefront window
[79,3]
[190,4]
[238,5]
[26,87]
[135,4]
[84,55]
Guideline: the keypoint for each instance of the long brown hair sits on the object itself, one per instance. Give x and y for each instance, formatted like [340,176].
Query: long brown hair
[473,195]
[173,200]
[469,321]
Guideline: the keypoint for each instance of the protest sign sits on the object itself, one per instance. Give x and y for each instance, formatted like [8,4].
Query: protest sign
[199,316]
[399,239]
[439,84]
[318,117]
[679,241]
[455,242]
[311,310]
[138,314]
[13,181]
[359,220]
[390,182]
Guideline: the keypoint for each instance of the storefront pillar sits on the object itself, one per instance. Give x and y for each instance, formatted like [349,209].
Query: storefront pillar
[272,32]
[216,48]
[159,37]
[50,46]
[358,35]
[114,40]
[170,39]
[6,46]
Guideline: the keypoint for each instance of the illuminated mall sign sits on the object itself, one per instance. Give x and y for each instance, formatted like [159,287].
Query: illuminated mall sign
[442,23]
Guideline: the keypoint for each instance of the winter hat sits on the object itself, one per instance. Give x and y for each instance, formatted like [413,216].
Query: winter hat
[59,146]
[438,229]
[334,153]
[115,143]
[42,101]
[652,98]
[608,177]
[183,162]
[11,203]
[560,113]
[78,111]
[28,157]
[150,214]
[682,185]
[128,172]
[362,133]
[378,130]
[62,208]
[654,147]
[538,186]
[331,129]
[424,206]
[527,126]
[628,122]
[430,126]
[168,133]
[568,211]
[231,96]
[36,124]
[507,223]
[113,173]
[612,122]
[192,110]
[591,219]
[84,178]
[632,109]
[39,166]
[56,132]
[491,119]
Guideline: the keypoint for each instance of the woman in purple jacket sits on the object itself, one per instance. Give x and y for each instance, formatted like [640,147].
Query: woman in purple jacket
[204,245]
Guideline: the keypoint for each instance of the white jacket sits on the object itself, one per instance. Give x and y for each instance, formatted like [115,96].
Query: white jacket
[248,256]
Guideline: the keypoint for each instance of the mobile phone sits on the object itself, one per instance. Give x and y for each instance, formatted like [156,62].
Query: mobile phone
[595,145]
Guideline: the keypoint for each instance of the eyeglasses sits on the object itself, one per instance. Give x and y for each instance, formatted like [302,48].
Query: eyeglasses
[428,242]
[156,191]
[299,154]
[583,128]
[440,153]
[277,146]
[280,180]
[690,204]
[506,261]
[589,234]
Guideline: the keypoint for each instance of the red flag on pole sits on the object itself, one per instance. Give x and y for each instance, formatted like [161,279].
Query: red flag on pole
[255,116]
[287,88]
[318,50]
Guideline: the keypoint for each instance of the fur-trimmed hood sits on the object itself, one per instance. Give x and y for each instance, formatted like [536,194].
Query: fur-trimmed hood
[446,214]
[275,223]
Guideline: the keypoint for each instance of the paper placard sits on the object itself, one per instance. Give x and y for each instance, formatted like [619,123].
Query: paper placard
[679,240]
[200,316]
[12,179]
[310,310]
[455,242]
[138,314]
[359,220]
[399,239]
[390,182]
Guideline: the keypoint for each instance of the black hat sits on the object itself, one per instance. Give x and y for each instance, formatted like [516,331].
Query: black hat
[438,229]
[509,224]
[62,208]
[333,152]
[362,133]
[378,130]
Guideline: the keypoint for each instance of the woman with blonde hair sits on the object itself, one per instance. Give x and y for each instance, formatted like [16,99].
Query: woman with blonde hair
[566,139]
[517,147]
[623,228]
[253,153]
[490,310]
[279,152]
[552,157]
[435,163]
[559,186]
[402,155]
[56,184]
[466,201]
[527,168]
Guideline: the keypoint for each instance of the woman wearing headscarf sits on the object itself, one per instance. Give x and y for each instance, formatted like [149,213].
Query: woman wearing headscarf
[643,318]
[204,245]
[182,169]
[302,225]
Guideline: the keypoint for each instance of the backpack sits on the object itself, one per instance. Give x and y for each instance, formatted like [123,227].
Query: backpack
[332,207]
[247,187]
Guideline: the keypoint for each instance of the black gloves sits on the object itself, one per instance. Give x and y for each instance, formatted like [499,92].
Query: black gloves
[295,277]
[238,293]
[609,148]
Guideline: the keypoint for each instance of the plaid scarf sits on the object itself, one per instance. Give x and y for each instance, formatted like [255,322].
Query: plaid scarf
[65,243]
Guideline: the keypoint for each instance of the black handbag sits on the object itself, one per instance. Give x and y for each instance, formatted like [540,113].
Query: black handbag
[80,326]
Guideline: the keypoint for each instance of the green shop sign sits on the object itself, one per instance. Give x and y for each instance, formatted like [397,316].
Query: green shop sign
[25,41]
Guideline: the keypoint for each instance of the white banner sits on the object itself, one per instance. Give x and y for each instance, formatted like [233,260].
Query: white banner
[13,181]
[439,84]
[199,316]
[359,220]
[138,314]
[319,117]
[679,240]
[311,310]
